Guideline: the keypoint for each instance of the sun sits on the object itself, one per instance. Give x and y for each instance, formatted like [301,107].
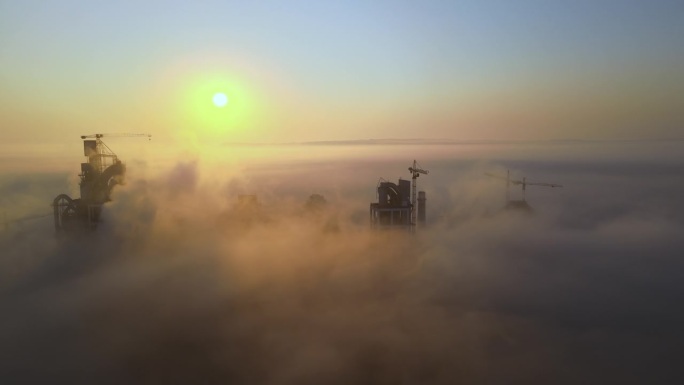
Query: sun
[216,104]
[220,99]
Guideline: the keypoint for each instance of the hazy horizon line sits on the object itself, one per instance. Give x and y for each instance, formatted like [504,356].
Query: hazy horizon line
[430,141]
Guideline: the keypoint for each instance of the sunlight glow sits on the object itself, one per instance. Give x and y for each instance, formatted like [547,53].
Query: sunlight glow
[220,99]
[231,114]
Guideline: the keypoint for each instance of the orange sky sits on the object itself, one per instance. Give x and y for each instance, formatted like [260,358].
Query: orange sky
[333,72]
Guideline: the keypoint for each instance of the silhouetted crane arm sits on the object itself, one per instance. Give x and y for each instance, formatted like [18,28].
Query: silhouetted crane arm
[418,171]
[543,184]
[519,182]
[123,134]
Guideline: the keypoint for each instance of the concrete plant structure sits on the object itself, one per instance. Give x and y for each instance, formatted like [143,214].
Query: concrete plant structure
[102,171]
[396,207]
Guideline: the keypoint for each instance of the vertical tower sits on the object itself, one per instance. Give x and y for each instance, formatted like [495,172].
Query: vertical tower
[421,207]
[415,173]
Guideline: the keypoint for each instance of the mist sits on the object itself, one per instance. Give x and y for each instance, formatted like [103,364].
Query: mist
[180,283]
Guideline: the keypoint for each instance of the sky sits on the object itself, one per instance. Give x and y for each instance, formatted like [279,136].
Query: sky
[311,70]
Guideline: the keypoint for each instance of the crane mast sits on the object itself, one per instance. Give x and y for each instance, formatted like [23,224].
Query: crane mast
[415,173]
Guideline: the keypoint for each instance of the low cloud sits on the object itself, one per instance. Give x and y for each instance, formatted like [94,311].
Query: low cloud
[180,283]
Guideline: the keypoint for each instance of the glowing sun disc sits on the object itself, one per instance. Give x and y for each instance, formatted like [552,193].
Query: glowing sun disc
[220,99]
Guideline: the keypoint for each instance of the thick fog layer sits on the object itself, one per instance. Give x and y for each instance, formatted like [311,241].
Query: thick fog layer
[183,283]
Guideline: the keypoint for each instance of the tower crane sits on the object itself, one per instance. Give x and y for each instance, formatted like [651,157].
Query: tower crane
[524,183]
[415,171]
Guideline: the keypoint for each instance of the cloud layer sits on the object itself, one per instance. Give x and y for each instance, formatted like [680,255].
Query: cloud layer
[180,283]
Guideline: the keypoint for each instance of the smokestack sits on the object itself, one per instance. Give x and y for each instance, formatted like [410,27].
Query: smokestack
[421,207]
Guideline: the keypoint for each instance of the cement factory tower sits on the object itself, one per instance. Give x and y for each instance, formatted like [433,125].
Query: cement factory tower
[393,208]
[99,175]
